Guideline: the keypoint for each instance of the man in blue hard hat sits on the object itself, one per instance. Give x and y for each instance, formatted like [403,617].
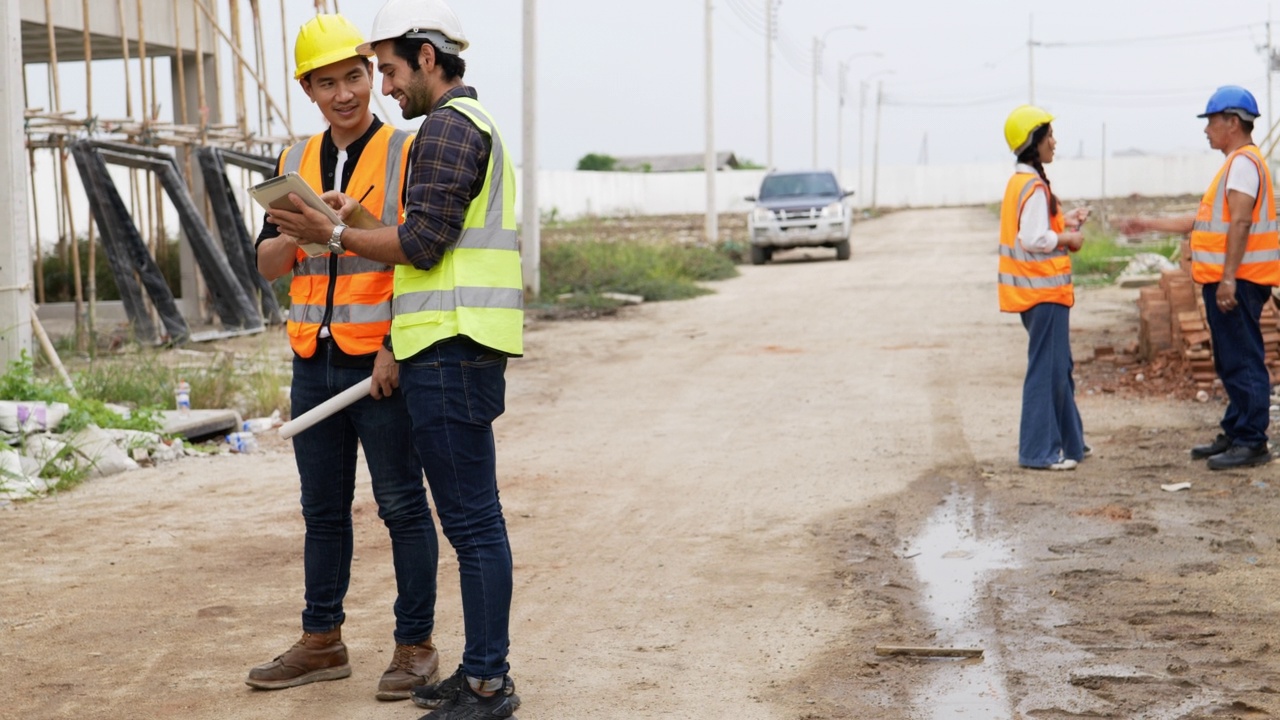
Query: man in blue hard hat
[1235,256]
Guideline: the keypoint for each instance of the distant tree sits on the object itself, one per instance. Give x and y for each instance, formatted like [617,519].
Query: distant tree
[745,164]
[595,161]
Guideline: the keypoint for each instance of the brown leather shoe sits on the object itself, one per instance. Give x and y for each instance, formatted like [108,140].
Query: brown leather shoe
[316,657]
[411,666]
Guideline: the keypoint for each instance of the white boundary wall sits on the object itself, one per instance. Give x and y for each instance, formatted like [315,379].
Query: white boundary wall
[571,194]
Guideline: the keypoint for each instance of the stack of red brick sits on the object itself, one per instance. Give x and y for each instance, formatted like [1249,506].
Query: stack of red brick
[1171,319]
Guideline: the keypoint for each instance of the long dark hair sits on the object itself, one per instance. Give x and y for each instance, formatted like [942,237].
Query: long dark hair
[1031,156]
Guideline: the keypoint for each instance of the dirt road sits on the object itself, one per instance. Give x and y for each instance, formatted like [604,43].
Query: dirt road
[717,509]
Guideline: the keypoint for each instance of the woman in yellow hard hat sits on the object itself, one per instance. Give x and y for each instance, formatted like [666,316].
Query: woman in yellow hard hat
[1036,238]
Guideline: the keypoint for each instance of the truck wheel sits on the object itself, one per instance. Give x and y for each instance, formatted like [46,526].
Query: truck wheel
[842,250]
[759,254]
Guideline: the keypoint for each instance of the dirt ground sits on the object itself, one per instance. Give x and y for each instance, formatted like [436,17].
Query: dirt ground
[718,509]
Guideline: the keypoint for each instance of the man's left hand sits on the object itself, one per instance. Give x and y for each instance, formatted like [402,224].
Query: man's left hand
[1226,295]
[386,374]
[307,224]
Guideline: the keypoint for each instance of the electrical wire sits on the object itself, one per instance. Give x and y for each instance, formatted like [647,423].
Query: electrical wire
[1235,29]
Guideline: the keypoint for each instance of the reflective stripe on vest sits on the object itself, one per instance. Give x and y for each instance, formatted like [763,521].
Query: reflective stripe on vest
[353,293]
[1026,278]
[1261,261]
[476,289]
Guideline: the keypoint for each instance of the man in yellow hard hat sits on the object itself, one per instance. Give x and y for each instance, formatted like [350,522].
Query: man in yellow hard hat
[339,317]
[1235,256]
[459,315]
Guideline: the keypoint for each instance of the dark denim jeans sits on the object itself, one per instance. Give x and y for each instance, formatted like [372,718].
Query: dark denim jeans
[455,389]
[1051,429]
[326,457]
[1240,358]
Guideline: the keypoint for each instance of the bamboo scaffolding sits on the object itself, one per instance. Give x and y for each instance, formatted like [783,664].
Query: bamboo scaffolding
[66,192]
[93,245]
[284,49]
[264,118]
[244,64]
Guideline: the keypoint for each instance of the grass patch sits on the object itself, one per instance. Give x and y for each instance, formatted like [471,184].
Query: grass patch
[1102,258]
[655,271]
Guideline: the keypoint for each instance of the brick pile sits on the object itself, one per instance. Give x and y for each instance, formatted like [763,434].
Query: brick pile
[1171,319]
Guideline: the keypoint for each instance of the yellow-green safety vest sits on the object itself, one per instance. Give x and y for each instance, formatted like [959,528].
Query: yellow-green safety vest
[476,289]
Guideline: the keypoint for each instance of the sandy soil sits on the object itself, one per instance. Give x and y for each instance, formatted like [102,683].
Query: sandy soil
[718,509]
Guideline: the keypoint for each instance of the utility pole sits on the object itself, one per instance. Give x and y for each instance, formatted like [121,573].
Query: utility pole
[844,73]
[818,44]
[15,250]
[862,113]
[817,70]
[531,230]
[770,9]
[1031,61]
[875,156]
[712,228]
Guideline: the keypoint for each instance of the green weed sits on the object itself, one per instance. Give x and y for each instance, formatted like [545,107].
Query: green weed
[655,271]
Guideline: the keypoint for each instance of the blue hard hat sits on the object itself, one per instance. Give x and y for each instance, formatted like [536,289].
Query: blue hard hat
[1234,99]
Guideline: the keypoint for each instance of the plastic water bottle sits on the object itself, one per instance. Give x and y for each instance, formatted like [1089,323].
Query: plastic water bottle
[183,397]
[242,442]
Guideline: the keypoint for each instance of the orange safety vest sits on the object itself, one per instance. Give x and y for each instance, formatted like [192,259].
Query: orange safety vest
[1029,278]
[1261,262]
[359,307]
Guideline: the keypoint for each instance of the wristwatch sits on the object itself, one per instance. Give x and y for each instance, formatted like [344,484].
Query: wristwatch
[335,240]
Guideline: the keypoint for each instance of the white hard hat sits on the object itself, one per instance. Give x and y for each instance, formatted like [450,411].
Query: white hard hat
[418,20]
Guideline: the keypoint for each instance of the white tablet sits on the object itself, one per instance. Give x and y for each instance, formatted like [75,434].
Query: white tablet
[274,194]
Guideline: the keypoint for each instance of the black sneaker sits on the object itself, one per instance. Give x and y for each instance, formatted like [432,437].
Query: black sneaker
[1220,444]
[467,704]
[435,695]
[1241,456]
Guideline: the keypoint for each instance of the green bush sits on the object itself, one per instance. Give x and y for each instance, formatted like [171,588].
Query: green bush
[654,271]
[59,278]
[1103,258]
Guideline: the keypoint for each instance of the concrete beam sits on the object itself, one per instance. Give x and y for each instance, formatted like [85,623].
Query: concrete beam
[106,27]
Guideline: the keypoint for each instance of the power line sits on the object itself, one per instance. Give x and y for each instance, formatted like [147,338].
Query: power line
[1221,33]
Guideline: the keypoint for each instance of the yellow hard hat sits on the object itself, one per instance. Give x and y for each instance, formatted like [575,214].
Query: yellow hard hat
[1022,124]
[324,40]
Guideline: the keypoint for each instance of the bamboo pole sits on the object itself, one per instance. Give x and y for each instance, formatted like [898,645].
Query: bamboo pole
[135,208]
[243,63]
[92,275]
[66,191]
[31,159]
[284,49]
[237,76]
[200,90]
[50,352]
[264,117]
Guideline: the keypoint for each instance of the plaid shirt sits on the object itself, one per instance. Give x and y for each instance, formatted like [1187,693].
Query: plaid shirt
[447,167]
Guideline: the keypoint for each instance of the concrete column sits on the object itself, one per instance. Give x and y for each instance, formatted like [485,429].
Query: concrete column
[15,250]
[192,303]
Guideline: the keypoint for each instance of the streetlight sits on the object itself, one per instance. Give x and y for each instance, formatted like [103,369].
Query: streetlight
[862,109]
[818,45]
[844,73]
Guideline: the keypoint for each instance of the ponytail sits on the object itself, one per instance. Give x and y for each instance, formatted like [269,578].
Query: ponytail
[1031,156]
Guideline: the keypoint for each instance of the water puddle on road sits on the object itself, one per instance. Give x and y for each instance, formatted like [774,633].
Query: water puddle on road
[953,557]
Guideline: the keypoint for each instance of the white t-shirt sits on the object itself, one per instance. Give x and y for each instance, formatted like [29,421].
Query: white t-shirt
[1033,224]
[1243,176]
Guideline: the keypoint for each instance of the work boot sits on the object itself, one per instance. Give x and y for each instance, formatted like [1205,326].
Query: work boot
[1220,444]
[1240,456]
[316,657]
[411,666]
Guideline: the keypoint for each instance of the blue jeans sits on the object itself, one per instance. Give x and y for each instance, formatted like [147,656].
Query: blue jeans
[1240,360]
[326,457]
[455,390]
[1051,429]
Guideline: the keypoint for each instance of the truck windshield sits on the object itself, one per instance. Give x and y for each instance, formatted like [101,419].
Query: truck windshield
[776,186]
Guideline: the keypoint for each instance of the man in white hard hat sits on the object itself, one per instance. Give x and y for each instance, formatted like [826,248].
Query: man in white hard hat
[458,317]
[339,316]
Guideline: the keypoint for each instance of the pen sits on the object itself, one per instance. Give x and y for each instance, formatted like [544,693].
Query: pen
[365,195]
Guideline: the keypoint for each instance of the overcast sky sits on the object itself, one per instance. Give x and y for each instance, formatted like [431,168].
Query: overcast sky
[628,78]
